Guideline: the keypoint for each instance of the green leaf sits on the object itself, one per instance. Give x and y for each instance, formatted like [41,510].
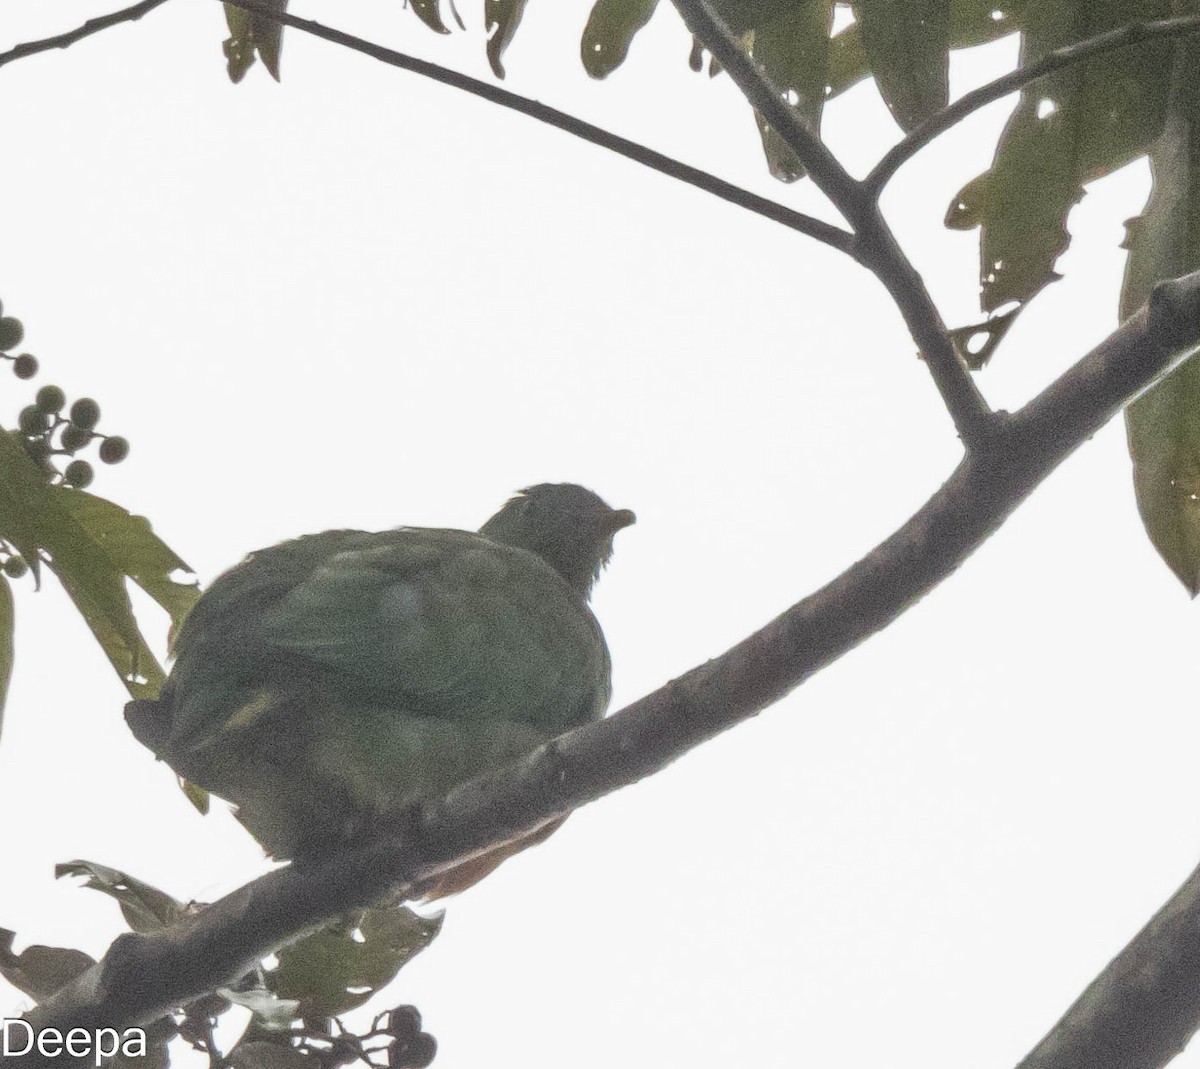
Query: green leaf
[6,642]
[39,971]
[145,908]
[1164,423]
[975,22]
[908,47]
[92,545]
[337,969]
[252,36]
[133,549]
[610,28]
[501,17]
[793,49]
[429,12]
[847,60]
[1067,129]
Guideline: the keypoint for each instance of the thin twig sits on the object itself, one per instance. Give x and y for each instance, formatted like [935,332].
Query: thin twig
[937,124]
[64,40]
[143,976]
[876,245]
[824,232]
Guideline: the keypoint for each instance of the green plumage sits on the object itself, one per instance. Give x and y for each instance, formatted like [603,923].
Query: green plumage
[332,679]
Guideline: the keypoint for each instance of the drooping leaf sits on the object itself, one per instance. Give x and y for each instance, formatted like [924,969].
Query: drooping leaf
[847,60]
[1067,129]
[337,969]
[1164,423]
[39,971]
[430,13]
[908,47]
[6,642]
[793,49]
[501,18]
[145,908]
[610,28]
[253,36]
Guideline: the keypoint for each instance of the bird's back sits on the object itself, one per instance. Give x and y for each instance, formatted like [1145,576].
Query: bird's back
[342,675]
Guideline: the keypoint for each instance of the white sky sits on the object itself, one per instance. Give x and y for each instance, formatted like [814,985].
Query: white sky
[362,299]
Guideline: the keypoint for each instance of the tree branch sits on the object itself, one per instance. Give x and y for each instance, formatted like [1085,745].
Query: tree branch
[144,976]
[938,124]
[1144,1007]
[834,236]
[876,245]
[64,40]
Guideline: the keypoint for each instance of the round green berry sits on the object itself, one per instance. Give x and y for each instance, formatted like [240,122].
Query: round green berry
[113,450]
[79,474]
[74,438]
[11,333]
[15,567]
[51,398]
[85,413]
[32,420]
[25,366]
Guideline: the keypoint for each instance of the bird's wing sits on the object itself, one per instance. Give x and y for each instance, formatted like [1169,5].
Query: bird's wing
[425,622]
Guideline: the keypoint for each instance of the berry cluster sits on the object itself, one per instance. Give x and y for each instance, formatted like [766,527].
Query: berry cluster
[45,432]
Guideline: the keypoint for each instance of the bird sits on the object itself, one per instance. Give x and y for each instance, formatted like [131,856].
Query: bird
[335,679]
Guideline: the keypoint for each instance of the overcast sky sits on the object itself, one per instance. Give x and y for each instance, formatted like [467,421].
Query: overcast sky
[359,299]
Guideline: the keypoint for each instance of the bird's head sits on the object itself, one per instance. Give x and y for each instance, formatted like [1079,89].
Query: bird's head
[566,525]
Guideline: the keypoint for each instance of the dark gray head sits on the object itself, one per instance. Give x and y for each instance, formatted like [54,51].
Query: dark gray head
[566,525]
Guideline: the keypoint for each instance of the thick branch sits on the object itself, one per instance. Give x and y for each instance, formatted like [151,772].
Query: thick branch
[834,236]
[64,40]
[1144,1007]
[877,247]
[144,976]
[938,124]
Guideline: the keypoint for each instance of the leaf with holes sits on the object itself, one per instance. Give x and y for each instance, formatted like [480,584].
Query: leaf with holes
[430,13]
[145,908]
[339,968]
[977,342]
[1067,129]
[1164,423]
[793,49]
[502,17]
[610,28]
[251,37]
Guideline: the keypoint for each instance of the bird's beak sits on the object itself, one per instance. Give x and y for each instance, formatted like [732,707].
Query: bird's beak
[619,518]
